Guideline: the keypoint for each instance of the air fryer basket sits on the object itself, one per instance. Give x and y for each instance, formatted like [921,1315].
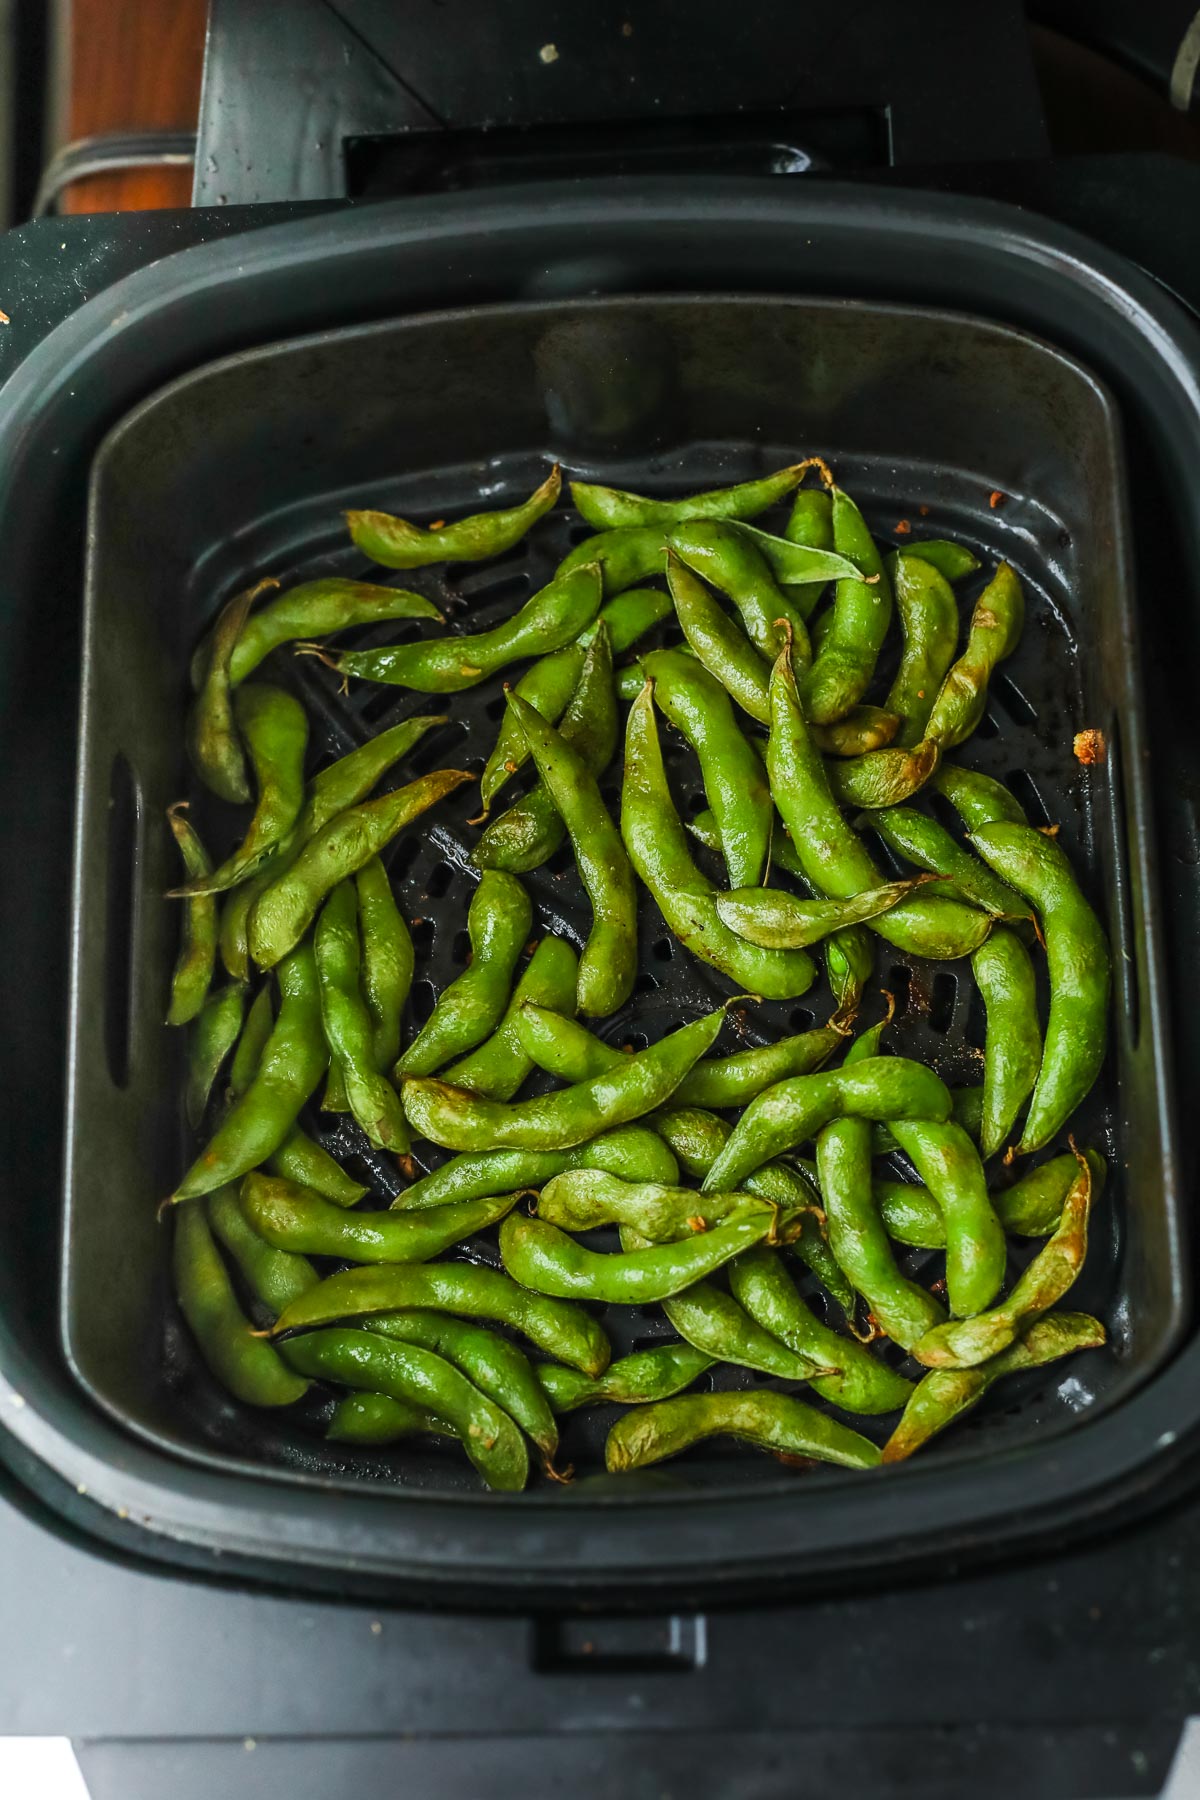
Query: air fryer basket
[241,468]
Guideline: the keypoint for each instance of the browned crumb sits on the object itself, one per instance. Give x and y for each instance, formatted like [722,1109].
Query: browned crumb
[996,498]
[1090,746]
[901,527]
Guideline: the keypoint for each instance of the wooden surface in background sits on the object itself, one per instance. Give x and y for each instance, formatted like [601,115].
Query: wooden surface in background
[132,65]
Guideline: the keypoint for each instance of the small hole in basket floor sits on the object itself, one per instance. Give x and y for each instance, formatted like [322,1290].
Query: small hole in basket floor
[422,934]
[975,1031]
[646,983]
[440,878]
[461,948]
[403,857]
[664,949]
[987,727]
[562,860]
[942,1000]
[802,1019]
[898,982]
[496,709]
[423,996]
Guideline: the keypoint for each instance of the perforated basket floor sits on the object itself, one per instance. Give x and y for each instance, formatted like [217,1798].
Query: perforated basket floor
[1035,706]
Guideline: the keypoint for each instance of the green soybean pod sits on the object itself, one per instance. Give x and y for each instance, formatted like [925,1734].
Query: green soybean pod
[944,1395]
[292,1062]
[779,921]
[883,777]
[274,1277]
[718,642]
[1012,1054]
[293,1218]
[978,799]
[966,1109]
[861,1384]
[214,1035]
[317,608]
[632,1151]
[608,964]
[791,1112]
[251,1369]
[347,1023]
[714,1322]
[361,1359]
[498,1067]
[378,1419]
[587,1199]
[732,562]
[832,857]
[862,611]
[286,907]
[930,846]
[498,1367]
[857,1235]
[697,1139]
[387,959]
[1031,1207]
[767,1420]
[531,830]
[658,849]
[465,1289]
[1080,973]
[549,1261]
[626,556]
[645,1375]
[193,971]
[929,620]
[609,508]
[397,544]
[460,1120]
[976,1253]
[949,559]
[732,771]
[212,738]
[448,665]
[811,524]
[471,1007]
[274,729]
[994,633]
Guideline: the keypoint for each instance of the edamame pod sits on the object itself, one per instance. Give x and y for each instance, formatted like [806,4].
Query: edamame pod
[948,1163]
[658,848]
[378,1419]
[212,737]
[549,1261]
[949,559]
[730,768]
[294,1218]
[462,1121]
[214,1035]
[274,729]
[626,556]
[499,1066]
[860,1383]
[633,1152]
[946,1394]
[360,1359]
[883,777]
[634,1380]
[193,971]
[830,855]
[930,846]
[1080,973]
[275,1277]
[856,1232]
[779,921]
[966,1109]
[497,1367]
[555,1326]
[1012,1054]
[995,630]
[399,545]
[288,904]
[731,561]
[585,1199]
[251,1369]
[965,1343]
[610,508]
[608,965]
[569,1050]
[470,1008]
[862,610]
[347,1023]
[714,1322]
[768,1420]
[549,619]
[317,608]
[292,1062]
[1031,1207]
[387,960]
[978,799]
[717,642]
[929,620]
[529,833]
[791,1112]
